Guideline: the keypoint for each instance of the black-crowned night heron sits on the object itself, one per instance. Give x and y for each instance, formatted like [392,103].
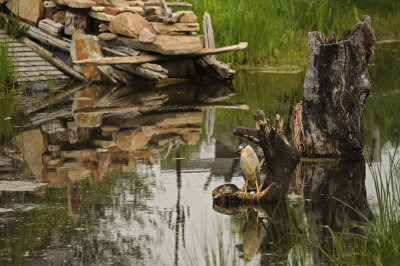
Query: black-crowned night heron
[250,167]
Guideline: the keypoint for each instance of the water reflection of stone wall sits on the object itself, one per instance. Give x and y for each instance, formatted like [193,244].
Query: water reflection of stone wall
[83,132]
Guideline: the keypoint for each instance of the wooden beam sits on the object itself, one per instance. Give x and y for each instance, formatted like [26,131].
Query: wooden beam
[46,38]
[152,58]
[54,60]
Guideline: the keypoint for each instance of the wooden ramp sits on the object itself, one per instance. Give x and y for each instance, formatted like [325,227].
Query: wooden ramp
[31,67]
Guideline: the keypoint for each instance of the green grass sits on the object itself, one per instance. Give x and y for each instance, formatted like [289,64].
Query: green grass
[369,242]
[12,26]
[7,92]
[276,30]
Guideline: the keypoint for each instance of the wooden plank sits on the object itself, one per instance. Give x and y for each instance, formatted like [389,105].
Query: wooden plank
[40,73]
[19,49]
[43,78]
[33,63]
[152,58]
[38,34]
[26,54]
[28,59]
[37,68]
[15,44]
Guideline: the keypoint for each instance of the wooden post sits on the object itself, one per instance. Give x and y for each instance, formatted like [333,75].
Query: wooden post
[208,33]
[209,64]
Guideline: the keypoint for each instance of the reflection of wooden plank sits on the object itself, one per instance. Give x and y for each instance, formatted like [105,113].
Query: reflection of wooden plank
[40,118]
[161,120]
[144,109]
[152,58]
[55,99]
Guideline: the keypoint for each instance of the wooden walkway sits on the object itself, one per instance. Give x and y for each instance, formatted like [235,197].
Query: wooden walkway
[31,67]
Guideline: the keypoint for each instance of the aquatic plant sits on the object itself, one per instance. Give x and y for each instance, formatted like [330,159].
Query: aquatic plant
[7,66]
[12,26]
[369,242]
[7,93]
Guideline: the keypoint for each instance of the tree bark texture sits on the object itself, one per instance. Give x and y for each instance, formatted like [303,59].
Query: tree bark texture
[329,122]
[281,160]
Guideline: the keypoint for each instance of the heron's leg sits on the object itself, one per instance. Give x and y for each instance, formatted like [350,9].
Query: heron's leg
[244,192]
[258,190]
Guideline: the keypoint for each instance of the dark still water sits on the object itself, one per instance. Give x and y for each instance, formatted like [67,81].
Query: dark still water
[124,181]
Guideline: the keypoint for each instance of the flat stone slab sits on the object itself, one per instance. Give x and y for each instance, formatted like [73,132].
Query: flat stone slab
[7,185]
[164,44]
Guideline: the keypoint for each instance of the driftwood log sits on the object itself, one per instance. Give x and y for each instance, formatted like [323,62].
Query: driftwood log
[329,121]
[281,160]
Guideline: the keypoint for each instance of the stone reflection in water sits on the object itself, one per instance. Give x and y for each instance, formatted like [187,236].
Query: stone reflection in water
[335,196]
[90,131]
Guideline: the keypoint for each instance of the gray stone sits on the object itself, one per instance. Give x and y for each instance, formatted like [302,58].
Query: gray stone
[146,36]
[128,24]
[107,36]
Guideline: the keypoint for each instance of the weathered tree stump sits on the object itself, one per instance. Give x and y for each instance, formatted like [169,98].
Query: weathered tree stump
[281,160]
[329,121]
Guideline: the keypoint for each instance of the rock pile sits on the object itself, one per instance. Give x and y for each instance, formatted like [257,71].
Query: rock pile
[97,26]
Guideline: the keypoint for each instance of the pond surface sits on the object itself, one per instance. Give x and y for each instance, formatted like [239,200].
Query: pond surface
[134,187]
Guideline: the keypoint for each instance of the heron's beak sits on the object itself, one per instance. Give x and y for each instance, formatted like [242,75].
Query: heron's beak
[238,151]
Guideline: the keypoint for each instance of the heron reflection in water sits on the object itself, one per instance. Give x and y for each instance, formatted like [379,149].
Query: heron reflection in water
[250,167]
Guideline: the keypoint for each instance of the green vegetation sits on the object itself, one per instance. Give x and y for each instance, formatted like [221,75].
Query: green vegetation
[12,26]
[277,30]
[7,93]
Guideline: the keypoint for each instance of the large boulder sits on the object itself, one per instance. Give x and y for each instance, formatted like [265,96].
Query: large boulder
[128,24]
[82,47]
[32,10]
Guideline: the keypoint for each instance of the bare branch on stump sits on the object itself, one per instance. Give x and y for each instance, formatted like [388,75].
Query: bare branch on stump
[281,160]
[336,86]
